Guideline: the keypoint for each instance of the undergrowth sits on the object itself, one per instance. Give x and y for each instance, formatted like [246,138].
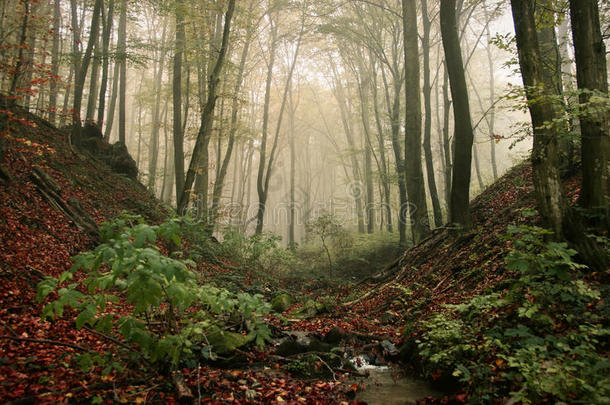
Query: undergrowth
[542,340]
[155,303]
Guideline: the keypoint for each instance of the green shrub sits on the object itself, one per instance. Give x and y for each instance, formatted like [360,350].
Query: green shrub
[169,312]
[542,340]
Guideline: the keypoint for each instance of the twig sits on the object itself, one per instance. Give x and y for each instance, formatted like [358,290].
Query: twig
[118,342]
[46,341]
[327,366]
[7,326]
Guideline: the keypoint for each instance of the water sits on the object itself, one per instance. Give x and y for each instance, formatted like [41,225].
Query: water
[385,387]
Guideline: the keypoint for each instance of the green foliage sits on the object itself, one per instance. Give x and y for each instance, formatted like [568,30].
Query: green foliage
[542,340]
[169,312]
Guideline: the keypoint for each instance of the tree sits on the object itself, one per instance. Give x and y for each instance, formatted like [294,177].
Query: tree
[83,66]
[416,190]
[122,51]
[180,41]
[207,114]
[459,207]
[265,167]
[592,79]
[550,197]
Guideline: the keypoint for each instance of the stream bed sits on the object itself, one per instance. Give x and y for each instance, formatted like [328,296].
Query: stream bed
[385,386]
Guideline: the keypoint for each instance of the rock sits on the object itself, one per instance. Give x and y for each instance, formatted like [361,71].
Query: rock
[308,310]
[281,302]
[291,347]
[122,162]
[224,342]
[335,335]
[389,348]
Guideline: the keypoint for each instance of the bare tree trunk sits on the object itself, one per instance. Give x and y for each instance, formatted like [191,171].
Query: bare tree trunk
[592,76]
[81,72]
[106,31]
[207,114]
[122,50]
[550,197]
[460,190]
[430,174]
[154,141]
[178,129]
[223,168]
[416,189]
[54,61]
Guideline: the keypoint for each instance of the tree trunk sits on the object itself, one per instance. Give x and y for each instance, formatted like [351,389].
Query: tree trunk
[207,116]
[54,62]
[178,131]
[416,189]
[154,140]
[122,51]
[223,168]
[430,174]
[81,71]
[592,76]
[106,31]
[460,190]
[550,197]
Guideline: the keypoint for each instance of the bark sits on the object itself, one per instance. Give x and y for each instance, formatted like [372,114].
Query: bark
[384,175]
[416,189]
[550,197]
[54,62]
[81,71]
[592,76]
[113,98]
[178,129]
[122,51]
[95,67]
[154,140]
[222,173]
[106,31]
[436,206]
[264,176]
[460,189]
[207,114]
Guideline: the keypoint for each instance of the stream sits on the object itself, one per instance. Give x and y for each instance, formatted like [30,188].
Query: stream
[384,386]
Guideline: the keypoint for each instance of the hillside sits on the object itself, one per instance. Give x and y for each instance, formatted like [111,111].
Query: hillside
[49,194]
[53,196]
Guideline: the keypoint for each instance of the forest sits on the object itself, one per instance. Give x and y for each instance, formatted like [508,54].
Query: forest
[304,201]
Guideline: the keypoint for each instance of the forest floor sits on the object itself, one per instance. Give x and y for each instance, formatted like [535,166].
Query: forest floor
[38,238]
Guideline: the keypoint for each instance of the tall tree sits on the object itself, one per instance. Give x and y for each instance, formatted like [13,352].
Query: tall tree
[459,207]
[416,189]
[83,66]
[233,125]
[122,51]
[178,131]
[207,115]
[54,61]
[551,201]
[427,26]
[106,31]
[592,76]
[265,168]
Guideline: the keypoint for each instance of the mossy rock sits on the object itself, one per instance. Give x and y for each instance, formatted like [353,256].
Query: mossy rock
[309,310]
[224,342]
[281,302]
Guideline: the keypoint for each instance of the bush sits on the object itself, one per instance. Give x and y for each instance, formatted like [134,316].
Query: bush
[542,340]
[170,313]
